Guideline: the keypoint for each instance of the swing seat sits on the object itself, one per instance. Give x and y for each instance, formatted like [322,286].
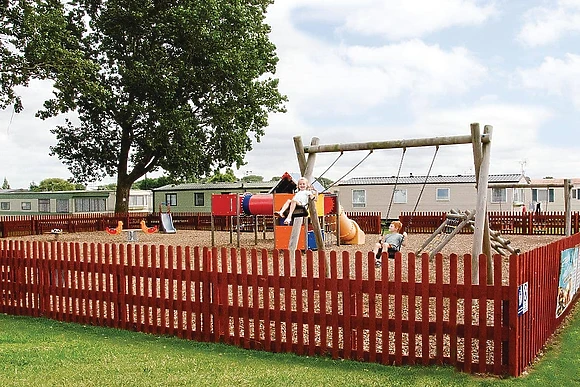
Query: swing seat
[391,253]
[299,212]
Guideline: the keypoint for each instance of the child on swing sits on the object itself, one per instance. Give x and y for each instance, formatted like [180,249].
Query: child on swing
[391,243]
[300,198]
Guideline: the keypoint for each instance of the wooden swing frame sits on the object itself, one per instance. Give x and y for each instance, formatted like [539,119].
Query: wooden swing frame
[481,144]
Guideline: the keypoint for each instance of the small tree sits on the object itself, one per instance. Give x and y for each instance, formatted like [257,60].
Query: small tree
[53,184]
[227,177]
[150,183]
[107,187]
[252,179]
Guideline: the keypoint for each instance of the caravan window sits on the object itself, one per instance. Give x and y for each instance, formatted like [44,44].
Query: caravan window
[519,196]
[62,205]
[543,195]
[442,195]
[136,200]
[90,204]
[171,199]
[43,205]
[198,199]
[498,195]
[359,198]
[400,196]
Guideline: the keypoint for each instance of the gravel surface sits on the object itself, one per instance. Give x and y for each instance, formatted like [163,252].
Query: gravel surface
[460,244]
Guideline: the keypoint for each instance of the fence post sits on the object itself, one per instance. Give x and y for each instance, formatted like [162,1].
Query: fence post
[514,339]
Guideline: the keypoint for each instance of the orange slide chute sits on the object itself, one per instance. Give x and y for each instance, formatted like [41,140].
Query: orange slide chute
[350,231]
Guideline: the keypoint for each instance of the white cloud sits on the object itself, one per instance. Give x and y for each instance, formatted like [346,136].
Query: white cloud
[416,18]
[395,20]
[555,76]
[323,79]
[25,141]
[547,25]
[421,68]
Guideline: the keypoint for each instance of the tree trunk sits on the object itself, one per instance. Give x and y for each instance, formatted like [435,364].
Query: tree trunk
[122,195]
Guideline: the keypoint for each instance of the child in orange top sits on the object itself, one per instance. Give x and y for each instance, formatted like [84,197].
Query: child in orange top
[391,243]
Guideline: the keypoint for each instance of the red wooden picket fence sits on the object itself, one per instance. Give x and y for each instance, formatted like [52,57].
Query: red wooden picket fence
[429,313]
[369,222]
[522,223]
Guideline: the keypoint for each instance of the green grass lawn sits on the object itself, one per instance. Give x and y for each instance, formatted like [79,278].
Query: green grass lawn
[42,352]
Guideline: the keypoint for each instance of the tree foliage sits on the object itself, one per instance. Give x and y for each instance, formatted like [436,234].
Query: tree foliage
[252,179]
[179,85]
[54,184]
[325,182]
[219,177]
[150,183]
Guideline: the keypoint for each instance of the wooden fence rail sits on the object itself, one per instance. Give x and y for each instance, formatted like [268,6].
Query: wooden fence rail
[274,302]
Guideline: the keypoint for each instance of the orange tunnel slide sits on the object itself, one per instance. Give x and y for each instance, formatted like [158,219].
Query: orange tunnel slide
[350,231]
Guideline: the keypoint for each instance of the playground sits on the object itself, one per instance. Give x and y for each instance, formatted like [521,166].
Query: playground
[448,306]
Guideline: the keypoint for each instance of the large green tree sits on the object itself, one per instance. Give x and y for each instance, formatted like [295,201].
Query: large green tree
[179,85]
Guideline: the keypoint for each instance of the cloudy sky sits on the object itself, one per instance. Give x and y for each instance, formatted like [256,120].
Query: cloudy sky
[375,70]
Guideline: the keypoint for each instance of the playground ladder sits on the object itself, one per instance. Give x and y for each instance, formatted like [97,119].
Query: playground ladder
[455,221]
[445,232]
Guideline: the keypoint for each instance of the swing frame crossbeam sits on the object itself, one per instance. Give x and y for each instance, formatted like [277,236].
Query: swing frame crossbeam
[481,143]
[394,144]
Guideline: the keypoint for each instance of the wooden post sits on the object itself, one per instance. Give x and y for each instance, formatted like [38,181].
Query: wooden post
[297,224]
[306,170]
[337,214]
[481,207]
[238,219]
[567,207]
[212,230]
[255,230]
[307,173]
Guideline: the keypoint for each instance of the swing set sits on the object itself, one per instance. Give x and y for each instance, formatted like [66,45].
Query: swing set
[481,145]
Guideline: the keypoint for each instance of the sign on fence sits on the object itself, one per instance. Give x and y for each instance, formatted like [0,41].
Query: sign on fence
[569,280]
[522,298]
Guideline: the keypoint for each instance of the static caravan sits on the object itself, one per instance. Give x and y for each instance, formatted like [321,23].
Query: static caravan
[24,202]
[196,197]
[434,194]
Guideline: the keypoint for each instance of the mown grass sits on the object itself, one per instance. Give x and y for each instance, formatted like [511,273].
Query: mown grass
[42,352]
